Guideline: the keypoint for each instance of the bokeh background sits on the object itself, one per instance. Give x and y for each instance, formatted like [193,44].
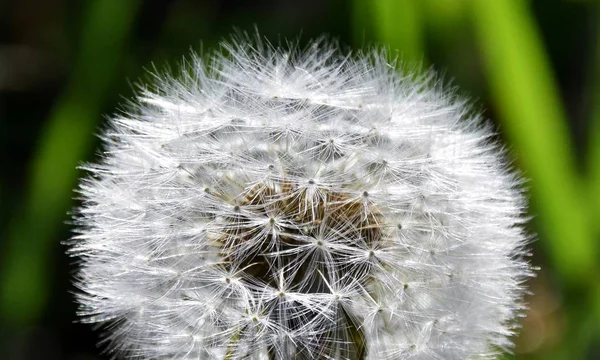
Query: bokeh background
[533,68]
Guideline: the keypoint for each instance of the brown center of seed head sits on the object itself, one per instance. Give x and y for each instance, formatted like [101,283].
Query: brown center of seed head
[296,216]
[310,237]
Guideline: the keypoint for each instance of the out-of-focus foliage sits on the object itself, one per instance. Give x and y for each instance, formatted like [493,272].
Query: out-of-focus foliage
[533,65]
[62,144]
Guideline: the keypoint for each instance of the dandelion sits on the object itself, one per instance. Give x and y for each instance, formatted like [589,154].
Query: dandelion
[279,203]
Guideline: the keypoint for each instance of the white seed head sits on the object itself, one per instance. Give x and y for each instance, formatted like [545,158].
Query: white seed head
[277,203]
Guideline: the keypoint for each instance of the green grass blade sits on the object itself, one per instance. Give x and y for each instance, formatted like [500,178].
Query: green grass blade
[443,17]
[593,167]
[64,143]
[593,153]
[533,118]
[394,23]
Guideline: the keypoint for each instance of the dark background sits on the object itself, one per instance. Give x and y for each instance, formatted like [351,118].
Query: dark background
[533,69]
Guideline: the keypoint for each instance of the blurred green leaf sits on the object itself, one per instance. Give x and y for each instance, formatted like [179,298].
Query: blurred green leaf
[443,16]
[361,22]
[593,154]
[593,166]
[530,109]
[64,142]
[395,23]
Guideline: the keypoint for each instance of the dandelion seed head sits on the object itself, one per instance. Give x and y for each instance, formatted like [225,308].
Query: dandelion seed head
[280,203]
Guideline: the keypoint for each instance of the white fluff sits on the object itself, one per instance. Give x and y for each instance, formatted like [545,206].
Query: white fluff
[300,204]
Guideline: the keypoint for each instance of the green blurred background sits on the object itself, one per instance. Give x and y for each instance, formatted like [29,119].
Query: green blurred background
[533,67]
